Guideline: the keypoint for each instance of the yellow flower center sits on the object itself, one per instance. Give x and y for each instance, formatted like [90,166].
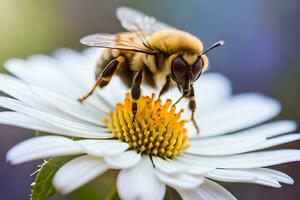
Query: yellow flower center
[156,129]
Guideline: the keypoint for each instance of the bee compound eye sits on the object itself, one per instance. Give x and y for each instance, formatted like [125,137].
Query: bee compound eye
[179,68]
[197,68]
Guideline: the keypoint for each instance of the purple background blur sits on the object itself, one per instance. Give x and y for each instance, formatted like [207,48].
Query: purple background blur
[262,54]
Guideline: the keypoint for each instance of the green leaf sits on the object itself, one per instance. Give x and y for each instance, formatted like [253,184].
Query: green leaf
[42,188]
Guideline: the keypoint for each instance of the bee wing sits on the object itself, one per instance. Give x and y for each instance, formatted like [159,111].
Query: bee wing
[133,20]
[114,42]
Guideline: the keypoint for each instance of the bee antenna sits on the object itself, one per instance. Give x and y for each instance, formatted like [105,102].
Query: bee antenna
[217,44]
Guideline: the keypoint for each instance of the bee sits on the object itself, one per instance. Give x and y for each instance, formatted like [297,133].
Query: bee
[150,52]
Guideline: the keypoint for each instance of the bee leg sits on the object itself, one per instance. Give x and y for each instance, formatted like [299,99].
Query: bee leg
[136,90]
[192,106]
[166,86]
[104,78]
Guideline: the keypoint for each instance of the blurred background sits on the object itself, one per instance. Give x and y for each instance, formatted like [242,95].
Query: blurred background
[262,54]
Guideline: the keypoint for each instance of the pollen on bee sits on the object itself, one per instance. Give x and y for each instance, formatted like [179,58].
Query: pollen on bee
[156,129]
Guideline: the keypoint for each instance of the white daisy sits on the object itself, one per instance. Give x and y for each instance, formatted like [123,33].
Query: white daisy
[159,148]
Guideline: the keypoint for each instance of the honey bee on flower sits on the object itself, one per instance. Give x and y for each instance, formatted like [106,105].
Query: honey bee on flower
[155,150]
[151,52]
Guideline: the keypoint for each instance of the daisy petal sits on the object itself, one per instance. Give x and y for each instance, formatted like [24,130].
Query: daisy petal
[72,107]
[267,130]
[225,147]
[50,77]
[124,160]
[83,73]
[247,160]
[21,120]
[79,129]
[110,97]
[242,111]
[194,169]
[17,89]
[216,89]
[245,141]
[92,53]
[42,147]
[78,172]
[245,176]
[208,190]
[179,180]
[167,166]
[242,145]
[140,182]
[277,175]
[211,89]
[275,141]
[103,147]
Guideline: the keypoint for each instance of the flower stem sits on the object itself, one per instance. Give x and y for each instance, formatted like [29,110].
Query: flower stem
[113,194]
[168,195]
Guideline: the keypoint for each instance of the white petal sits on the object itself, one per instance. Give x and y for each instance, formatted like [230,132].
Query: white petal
[179,180]
[210,90]
[78,172]
[247,160]
[194,168]
[275,141]
[108,92]
[24,93]
[268,130]
[24,121]
[208,190]
[19,90]
[242,111]
[73,107]
[50,76]
[84,76]
[140,182]
[216,148]
[103,147]
[124,160]
[277,175]
[79,129]
[245,176]
[167,166]
[245,141]
[92,53]
[238,148]
[84,72]
[42,147]
[43,71]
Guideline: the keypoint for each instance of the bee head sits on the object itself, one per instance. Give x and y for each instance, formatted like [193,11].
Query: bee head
[184,72]
[187,68]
